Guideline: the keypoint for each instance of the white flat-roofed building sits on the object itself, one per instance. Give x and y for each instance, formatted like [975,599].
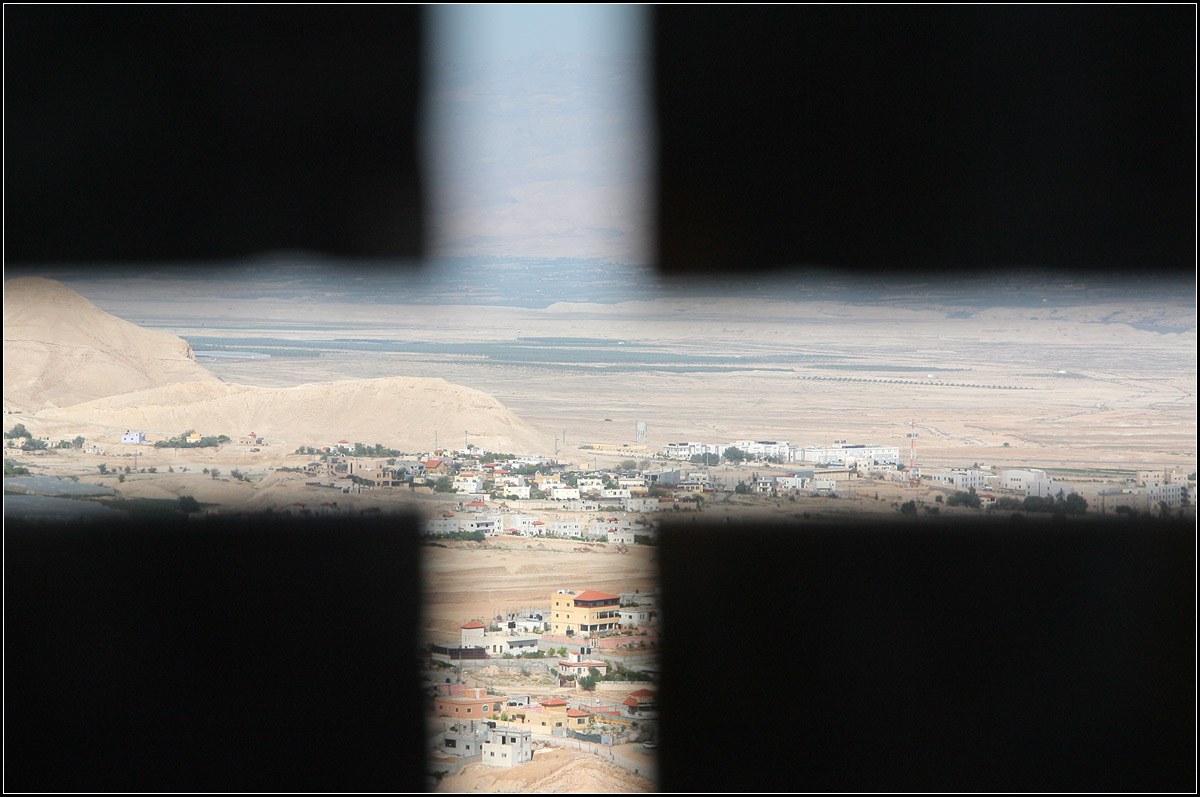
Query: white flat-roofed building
[1169,494]
[490,525]
[441,525]
[640,504]
[567,528]
[793,482]
[1046,487]
[468,483]
[960,479]
[621,536]
[507,747]
[1020,480]
[1136,499]
[760,449]
[134,437]
[842,452]
[521,524]
[564,493]
[689,450]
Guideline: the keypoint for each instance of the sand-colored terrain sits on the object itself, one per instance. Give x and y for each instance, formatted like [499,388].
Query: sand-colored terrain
[467,580]
[395,411]
[1103,383]
[91,373]
[552,771]
[61,349]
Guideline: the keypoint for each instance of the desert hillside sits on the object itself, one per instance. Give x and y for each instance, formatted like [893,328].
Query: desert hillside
[60,349]
[399,412]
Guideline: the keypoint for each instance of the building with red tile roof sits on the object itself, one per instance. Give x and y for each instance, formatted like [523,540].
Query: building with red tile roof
[642,703]
[587,613]
[578,666]
[473,703]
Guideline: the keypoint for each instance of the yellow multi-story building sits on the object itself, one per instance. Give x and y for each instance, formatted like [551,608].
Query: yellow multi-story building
[583,613]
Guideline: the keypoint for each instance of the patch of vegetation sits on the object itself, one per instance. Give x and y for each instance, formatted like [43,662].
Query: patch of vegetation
[210,441]
[969,499]
[473,536]
[146,508]
[11,468]
[18,431]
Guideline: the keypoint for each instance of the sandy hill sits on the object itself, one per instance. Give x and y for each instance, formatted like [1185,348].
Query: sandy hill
[399,412]
[61,349]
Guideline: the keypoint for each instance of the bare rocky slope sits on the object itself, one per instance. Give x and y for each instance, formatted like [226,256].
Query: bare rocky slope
[399,412]
[60,349]
[75,366]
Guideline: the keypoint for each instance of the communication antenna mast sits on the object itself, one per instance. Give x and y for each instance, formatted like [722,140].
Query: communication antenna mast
[913,479]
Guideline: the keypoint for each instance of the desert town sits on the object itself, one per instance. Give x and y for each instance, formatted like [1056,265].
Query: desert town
[481,494]
[541,615]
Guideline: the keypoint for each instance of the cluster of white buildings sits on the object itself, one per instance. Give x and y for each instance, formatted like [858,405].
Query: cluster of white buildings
[837,454]
[1154,490]
[1151,491]
[622,530]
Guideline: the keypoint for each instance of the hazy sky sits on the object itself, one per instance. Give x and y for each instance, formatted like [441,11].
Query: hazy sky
[495,33]
[538,138]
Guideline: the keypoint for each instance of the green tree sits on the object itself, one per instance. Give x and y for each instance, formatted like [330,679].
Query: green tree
[103,468]
[188,504]
[33,444]
[587,683]
[78,441]
[735,454]
[1075,504]
[742,488]
[18,431]
[908,508]
[215,472]
[121,477]
[443,484]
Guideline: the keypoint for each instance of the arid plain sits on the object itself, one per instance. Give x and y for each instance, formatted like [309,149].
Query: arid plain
[1109,382]
[1095,382]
